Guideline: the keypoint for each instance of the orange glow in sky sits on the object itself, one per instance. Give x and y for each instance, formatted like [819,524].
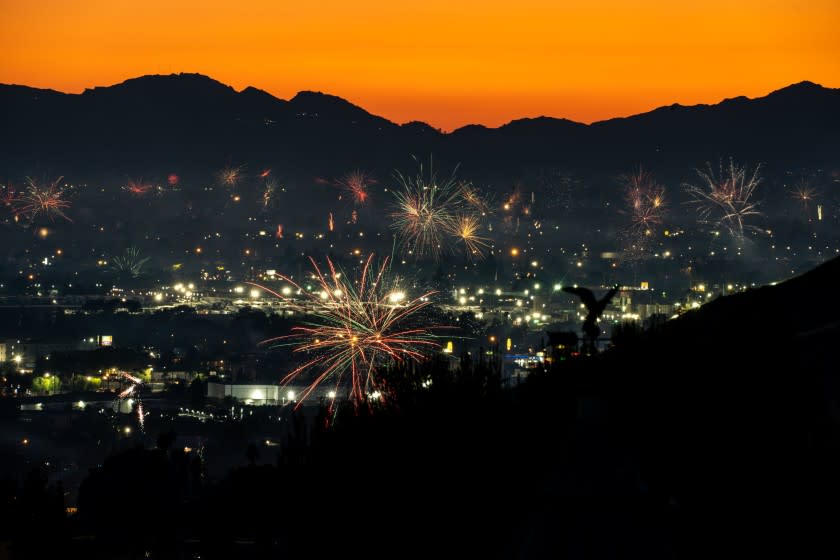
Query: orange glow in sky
[446,62]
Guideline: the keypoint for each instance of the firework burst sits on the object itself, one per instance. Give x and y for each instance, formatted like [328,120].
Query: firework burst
[137,188]
[356,185]
[467,231]
[269,194]
[355,327]
[725,197]
[230,176]
[428,212]
[645,200]
[130,262]
[804,194]
[42,200]
[474,199]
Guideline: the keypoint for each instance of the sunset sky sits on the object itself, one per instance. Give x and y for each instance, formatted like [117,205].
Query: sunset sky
[446,62]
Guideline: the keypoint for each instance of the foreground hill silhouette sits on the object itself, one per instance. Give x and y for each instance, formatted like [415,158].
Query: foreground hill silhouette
[190,121]
[717,434]
[732,412]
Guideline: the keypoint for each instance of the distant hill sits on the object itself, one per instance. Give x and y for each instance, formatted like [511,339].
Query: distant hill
[153,123]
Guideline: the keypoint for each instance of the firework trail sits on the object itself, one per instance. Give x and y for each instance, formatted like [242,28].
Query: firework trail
[330,222]
[230,176]
[279,233]
[355,327]
[137,188]
[47,200]
[725,197]
[356,186]
[265,173]
[133,390]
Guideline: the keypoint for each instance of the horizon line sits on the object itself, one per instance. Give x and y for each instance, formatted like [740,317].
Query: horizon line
[410,121]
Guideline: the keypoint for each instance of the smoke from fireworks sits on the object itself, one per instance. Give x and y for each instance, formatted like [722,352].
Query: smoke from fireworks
[354,328]
[42,200]
[356,184]
[725,197]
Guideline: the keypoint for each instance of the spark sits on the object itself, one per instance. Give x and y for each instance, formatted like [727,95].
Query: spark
[173,180]
[354,328]
[265,173]
[279,234]
[331,222]
[725,198]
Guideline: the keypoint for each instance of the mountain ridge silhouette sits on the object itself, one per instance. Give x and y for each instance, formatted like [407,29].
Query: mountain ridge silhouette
[194,120]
